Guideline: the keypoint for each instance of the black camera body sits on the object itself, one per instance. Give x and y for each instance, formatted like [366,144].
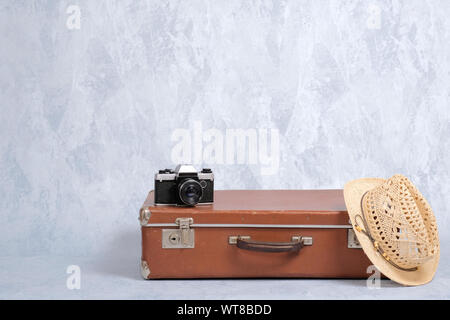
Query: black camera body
[184,186]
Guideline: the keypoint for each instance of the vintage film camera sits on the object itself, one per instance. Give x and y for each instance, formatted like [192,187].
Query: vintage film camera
[184,186]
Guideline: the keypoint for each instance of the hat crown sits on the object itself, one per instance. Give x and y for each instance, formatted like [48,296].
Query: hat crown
[401,221]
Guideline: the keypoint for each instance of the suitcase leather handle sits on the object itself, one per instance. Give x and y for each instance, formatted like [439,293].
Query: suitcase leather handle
[263,246]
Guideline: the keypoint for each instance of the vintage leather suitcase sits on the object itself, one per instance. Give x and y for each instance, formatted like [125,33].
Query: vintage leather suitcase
[252,234]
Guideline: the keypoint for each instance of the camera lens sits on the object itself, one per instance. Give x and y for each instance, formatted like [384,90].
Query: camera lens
[190,192]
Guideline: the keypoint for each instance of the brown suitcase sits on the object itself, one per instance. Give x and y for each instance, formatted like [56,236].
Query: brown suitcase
[252,234]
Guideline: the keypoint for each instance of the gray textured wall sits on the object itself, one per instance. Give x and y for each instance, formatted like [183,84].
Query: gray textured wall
[88,114]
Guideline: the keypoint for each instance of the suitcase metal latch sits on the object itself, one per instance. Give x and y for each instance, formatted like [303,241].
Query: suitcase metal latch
[179,238]
[352,240]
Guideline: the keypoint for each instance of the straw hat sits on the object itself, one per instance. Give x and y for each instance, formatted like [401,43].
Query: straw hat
[395,226]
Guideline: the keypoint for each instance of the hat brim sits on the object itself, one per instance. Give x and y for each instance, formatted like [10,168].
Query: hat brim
[353,192]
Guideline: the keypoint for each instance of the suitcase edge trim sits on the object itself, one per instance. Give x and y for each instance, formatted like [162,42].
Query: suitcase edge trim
[238,225]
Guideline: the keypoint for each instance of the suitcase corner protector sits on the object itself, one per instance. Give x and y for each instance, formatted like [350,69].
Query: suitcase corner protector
[144,215]
[145,270]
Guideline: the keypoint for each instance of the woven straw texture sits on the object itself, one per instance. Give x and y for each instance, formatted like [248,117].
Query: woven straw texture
[395,226]
[402,222]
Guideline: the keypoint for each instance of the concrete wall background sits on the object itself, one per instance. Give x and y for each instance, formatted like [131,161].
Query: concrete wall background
[354,89]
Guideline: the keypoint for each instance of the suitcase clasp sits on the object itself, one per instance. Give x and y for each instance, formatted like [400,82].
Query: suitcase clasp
[352,240]
[179,238]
